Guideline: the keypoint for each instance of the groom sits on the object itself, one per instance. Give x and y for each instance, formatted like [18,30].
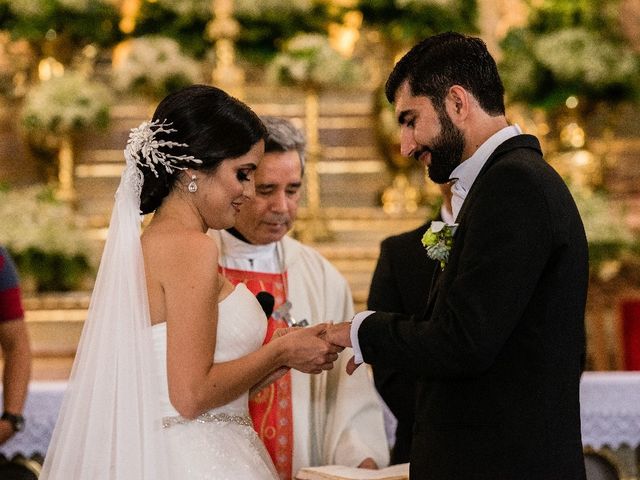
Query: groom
[499,350]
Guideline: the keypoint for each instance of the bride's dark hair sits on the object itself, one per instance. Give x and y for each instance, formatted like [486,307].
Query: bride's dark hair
[213,125]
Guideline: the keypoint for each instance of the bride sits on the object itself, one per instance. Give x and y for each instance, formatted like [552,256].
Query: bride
[170,349]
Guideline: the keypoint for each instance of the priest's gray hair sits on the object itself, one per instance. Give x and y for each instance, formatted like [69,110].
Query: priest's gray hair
[282,136]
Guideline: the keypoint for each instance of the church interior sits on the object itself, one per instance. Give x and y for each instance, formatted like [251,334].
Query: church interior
[77,75]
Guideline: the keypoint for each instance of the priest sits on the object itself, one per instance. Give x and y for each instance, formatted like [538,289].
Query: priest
[304,420]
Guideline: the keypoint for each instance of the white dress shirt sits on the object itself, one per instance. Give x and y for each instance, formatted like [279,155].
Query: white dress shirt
[465,173]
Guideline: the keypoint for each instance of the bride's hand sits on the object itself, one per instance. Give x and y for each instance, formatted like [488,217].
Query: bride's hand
[268,380]
[305,350]
[282,331]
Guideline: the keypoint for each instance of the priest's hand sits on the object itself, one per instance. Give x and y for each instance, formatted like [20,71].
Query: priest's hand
[368,463]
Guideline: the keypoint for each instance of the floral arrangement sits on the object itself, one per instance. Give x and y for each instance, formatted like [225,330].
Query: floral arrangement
[44,238]
[309,60]
[182,21]
[438,240]
[67,104]
[610,239]
[569,48]
[154,66]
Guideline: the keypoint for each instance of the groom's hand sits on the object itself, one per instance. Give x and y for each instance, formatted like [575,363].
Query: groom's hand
[340,334]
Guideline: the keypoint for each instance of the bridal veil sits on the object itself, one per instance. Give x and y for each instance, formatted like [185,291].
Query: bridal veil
[109,424]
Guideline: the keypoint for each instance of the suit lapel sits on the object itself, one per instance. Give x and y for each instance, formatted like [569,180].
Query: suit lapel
[519,141]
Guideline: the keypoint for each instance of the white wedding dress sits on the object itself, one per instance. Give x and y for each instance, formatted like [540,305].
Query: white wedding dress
[220,444]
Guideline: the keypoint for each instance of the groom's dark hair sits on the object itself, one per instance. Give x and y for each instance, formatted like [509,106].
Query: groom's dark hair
[441,61]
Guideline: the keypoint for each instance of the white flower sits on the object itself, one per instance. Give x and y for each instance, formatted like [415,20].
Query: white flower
[576,54]
[603,219]
[154,65]
[308,59]
[66,104]
[30,218]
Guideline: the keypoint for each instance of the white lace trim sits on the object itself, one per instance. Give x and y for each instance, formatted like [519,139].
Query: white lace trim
[610,409]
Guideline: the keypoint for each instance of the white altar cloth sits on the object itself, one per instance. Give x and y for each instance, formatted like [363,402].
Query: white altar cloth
[41,412]
[610,409]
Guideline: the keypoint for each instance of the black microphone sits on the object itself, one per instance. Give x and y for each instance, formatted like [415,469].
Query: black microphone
[266,301]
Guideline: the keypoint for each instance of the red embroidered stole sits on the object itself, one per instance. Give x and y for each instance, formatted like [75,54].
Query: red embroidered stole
[271,409]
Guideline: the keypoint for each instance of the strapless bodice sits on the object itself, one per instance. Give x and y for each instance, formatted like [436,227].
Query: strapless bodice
[241,329]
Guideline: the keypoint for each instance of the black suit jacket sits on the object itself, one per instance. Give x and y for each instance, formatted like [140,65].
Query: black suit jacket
[501,342]
[400,284]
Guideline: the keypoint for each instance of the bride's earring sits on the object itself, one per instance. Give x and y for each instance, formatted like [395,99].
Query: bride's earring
[193,186]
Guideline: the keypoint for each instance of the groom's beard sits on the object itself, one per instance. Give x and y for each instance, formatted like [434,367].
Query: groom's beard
[446,150]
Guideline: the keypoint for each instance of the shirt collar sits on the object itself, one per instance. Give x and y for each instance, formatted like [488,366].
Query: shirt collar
[467,172]
[234,247]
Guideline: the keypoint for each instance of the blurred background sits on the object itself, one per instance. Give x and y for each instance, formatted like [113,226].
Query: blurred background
[76,75]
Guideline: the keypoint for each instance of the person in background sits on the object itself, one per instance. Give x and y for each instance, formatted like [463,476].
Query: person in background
[400,283]
[304,421]
[499,350]
[16,351]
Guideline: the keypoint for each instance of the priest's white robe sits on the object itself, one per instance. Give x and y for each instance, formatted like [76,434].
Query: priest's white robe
[337,418]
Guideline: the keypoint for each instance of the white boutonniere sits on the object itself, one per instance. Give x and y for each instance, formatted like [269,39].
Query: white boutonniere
[438,240]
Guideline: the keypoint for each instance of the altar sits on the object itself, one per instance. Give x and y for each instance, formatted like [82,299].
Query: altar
[610,417]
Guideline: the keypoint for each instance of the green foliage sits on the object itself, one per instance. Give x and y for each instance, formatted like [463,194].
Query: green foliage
[408,21]
[185,27]
[52,272]
[610,239]
[569,48]
[551,15]
[44,238]
[78,22]
[267,25]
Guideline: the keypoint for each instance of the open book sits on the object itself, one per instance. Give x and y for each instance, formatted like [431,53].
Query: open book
[339,472]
